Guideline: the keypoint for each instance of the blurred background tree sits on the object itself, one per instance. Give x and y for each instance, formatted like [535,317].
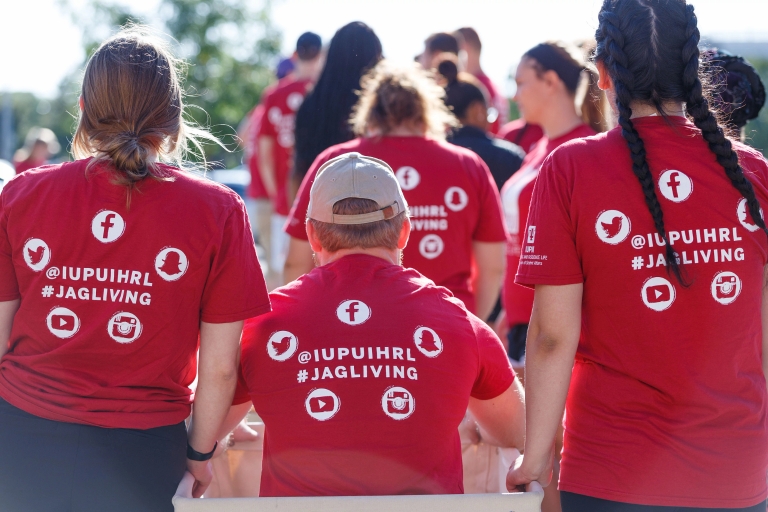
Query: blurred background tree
[231,47]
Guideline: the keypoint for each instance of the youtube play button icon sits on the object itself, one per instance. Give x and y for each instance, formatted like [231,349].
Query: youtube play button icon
[62,322]
[322,404]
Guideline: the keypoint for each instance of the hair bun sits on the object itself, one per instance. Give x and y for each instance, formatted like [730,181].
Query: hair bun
[449,70]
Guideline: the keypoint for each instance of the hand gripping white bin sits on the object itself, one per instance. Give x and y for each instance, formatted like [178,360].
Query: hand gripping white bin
[513,502]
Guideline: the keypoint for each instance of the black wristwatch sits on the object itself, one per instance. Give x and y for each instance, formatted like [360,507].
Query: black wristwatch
[193,454]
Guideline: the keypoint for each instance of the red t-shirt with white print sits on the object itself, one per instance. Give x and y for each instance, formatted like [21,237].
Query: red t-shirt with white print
[451,196]
[278,122]
[362,373]
[667,403]
[112,296]
[516,200]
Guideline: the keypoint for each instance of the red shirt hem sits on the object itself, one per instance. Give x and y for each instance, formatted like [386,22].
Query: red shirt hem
[490,396]
[532,280]
[137,420]
[234,317]
[661,501]
[6,298]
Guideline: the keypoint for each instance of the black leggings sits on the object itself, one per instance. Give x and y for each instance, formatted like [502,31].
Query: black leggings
[54,466]
[578,503]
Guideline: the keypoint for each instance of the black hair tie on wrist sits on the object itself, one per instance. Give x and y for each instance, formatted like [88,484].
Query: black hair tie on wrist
[193,454]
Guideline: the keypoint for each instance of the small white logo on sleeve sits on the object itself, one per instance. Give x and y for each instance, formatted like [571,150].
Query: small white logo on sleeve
[282,345]
[612,227]
[745,217]
[124,327]
[431,246]
[456,199]
[428,342]
[675,186]
[274,115]
[658,293]
[37,254]
[171,264]
[353,312]
[531,234]
[398,403]
[408,177]
[62,322]
[726,286]
[294,101]
[107,226]
[322,404]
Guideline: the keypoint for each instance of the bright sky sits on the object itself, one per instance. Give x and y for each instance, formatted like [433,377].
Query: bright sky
[40,44]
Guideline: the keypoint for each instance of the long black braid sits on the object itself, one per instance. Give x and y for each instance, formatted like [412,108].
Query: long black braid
[617,63]
[641,43]
[697,107]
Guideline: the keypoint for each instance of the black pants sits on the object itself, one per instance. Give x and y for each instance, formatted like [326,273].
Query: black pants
[516,338]
[53,466]
[578,503]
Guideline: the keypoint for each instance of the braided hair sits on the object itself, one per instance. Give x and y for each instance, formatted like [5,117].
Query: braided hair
[650,50]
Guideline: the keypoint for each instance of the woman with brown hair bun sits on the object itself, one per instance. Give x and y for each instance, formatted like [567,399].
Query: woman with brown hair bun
[454,204]
[112,267]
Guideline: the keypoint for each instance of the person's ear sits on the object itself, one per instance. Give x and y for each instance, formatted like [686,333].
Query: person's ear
[550,78]
[314,241]
[405,233]
[81,103]
[604,82]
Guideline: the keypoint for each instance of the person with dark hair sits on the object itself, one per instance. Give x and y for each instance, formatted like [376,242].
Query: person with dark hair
[408,358]
[459,238]
[117,271]
[434,45]
[468,102]
[737,90]
[322,119]
[470,44]
[275,138]
[647,249]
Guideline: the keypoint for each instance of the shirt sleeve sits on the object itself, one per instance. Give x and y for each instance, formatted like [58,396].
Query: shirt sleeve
[9,286]
[235,289]
[494,373]
[548,254]
[266,126]
[490,221]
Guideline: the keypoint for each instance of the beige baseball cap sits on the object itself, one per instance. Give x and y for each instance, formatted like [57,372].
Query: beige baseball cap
[355,175]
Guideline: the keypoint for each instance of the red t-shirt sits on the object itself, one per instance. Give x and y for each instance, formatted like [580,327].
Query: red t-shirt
[256,189]
[667,403]
[112,297]
[279,121]
[362,374]
[521,133]
[516,199]
[27,164]
[451,196]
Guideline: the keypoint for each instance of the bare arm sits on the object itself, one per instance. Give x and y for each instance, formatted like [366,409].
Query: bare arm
[298,261]
[765,322]
[217,378]
[266,152]
[7,312]
[553,337]
[490,263]
[234,417]
[502,419]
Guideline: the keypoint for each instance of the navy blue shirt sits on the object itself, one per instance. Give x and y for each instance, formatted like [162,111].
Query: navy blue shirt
[502,158]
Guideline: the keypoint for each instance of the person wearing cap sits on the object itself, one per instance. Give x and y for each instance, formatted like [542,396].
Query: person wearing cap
[363,370]
[458,236]
[275,138]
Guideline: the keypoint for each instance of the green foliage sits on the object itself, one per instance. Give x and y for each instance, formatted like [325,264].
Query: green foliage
[230,48]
